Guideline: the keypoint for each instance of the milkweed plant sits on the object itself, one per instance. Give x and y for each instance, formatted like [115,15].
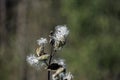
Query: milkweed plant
[56,67]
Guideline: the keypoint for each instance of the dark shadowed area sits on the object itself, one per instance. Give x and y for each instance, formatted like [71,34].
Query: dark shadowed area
[92,51]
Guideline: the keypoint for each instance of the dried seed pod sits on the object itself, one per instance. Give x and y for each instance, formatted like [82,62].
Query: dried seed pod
[58,39]
[43,57]
[40,50]
[59,44]
[58,71]
[54,66]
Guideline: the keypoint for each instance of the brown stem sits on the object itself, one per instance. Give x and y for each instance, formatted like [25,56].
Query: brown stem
[46,63]
[49,74]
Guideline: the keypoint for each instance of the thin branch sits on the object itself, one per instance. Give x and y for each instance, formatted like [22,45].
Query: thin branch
[49,62]
[46,63]
[53,54]
[50,55]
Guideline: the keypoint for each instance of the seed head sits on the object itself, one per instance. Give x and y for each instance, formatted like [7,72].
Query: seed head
[42,41]
[58,39]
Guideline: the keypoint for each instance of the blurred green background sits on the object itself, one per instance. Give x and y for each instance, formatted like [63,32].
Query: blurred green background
[93,47]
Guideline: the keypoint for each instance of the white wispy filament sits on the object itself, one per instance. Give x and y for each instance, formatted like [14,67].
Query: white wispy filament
[42,41]
[61,32]
[68,76]
[34,61]
[63,76]
[60,62]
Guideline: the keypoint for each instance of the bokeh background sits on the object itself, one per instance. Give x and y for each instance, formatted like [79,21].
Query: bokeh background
[93,47]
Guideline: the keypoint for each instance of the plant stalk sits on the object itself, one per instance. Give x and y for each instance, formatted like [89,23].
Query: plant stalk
[49,73]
